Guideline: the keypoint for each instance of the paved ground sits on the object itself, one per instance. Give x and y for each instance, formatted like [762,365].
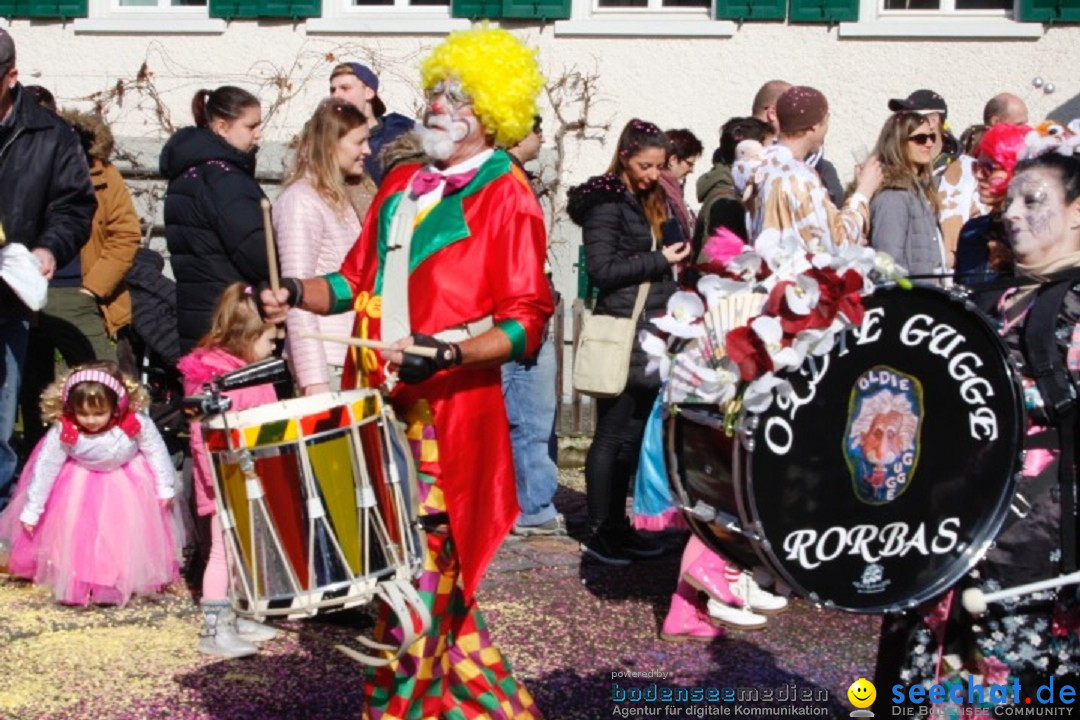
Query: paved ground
[567,627]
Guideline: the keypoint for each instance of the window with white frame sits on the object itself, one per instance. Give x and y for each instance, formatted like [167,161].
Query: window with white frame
[149,16]
[147,5]
[664,5]
[386,16]
[940,19]
[973,7]
[399,4]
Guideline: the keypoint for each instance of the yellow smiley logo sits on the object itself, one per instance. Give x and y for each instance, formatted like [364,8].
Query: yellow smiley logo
[862,693]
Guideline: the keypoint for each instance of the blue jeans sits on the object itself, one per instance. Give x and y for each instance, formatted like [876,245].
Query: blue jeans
[13,334]
[529,390]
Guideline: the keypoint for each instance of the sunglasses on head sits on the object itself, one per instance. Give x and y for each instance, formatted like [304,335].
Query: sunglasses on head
[923,138]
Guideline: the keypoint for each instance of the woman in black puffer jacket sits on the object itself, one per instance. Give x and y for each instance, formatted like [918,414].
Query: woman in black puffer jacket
[621,213]
[213,219]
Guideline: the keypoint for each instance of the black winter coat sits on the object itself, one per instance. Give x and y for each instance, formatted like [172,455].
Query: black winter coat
[153,306]
[619,257]
[46,197]
[213,225]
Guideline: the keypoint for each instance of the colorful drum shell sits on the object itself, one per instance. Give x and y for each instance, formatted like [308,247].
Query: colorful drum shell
[889,475]
[328,513]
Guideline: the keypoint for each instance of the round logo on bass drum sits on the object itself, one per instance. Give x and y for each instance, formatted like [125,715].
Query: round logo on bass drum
[882,436]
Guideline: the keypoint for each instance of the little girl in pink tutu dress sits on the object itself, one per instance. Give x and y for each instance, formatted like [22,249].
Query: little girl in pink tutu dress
[90,516]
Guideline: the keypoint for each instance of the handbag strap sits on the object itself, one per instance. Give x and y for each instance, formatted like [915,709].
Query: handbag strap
[643,291]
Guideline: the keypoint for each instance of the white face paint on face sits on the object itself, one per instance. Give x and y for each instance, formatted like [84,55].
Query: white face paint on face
[436,138]
[448,120]
[1036,216]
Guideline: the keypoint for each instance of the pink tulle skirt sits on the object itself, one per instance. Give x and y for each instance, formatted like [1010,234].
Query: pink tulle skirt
[102,538]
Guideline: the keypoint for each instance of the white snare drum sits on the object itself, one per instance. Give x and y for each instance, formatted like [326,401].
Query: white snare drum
[325,511]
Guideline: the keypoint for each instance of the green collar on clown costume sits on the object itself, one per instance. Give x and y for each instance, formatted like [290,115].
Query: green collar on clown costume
[445,222]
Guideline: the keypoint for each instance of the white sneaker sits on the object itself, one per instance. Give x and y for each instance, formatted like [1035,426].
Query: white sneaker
[758,600]
[254,632]
[735,618]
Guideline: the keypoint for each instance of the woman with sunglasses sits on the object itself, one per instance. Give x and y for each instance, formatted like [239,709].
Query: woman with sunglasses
[904,212]
[982,252]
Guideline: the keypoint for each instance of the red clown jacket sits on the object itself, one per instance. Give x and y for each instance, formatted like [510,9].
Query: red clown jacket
[477,253]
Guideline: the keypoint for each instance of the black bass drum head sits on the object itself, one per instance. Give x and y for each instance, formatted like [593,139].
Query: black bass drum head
[891,470]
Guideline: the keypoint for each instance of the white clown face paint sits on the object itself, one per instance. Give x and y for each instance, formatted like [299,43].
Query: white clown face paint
[1036,216]
[448,119]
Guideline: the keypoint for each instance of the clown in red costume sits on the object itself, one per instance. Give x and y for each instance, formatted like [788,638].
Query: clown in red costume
[451,257]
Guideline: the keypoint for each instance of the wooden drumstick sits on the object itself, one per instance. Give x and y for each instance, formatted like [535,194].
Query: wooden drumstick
[271,254]
[373,344]
[975,600]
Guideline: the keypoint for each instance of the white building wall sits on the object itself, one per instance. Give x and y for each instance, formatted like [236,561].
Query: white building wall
[693,82]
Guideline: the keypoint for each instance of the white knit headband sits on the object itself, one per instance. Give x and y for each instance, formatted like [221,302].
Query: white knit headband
[98,376]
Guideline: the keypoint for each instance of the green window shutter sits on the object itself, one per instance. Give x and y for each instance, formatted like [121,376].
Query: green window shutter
[1048,11]
[43,8]
[751,9]
[537,9]
[519,9]
[233,9]
[823,11]
[476,9]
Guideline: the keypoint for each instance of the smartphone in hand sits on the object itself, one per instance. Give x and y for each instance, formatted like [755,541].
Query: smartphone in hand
[671,233]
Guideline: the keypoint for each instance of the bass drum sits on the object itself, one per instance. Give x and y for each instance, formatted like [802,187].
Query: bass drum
[884,478]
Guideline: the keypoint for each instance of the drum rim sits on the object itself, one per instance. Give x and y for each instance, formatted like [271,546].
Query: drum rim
[290,409]
[750,517]
[981,542]
[674,479]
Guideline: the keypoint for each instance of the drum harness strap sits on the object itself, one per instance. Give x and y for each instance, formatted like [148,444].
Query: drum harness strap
[1052,378]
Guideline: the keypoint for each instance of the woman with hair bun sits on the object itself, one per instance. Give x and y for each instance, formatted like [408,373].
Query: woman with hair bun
[213,219]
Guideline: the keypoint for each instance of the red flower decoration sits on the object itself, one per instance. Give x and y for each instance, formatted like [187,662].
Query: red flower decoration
[747,351]
[791,323]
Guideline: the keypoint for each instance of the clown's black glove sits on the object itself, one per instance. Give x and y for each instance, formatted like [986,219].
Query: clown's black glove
[294,286]
[417,368]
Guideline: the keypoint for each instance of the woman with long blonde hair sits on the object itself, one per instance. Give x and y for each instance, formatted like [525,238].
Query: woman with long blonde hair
[904,212]
[316,225]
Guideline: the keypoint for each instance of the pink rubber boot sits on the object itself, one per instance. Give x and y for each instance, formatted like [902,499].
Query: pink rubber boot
[707,574]
[685,621]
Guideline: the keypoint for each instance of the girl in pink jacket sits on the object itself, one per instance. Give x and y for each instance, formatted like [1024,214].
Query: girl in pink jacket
[238,337]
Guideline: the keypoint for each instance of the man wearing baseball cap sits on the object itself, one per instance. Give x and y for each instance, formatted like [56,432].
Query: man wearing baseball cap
[787,197]
[46,205]
[358,84]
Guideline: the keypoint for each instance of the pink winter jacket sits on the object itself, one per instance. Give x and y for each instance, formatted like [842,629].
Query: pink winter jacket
[313,239]
[198,367]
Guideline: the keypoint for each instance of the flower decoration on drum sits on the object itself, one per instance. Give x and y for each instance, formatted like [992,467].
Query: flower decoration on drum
[881,442]
[758,312]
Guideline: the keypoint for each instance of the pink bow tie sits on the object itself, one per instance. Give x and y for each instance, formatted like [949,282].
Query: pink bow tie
[427,180]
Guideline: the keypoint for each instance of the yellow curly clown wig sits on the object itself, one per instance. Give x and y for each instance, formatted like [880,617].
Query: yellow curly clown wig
[497,71]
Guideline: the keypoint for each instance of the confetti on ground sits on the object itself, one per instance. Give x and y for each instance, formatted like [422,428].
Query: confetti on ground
[571,630]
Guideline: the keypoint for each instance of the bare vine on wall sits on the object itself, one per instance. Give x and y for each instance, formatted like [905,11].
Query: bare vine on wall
[288,92]
[573,95]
